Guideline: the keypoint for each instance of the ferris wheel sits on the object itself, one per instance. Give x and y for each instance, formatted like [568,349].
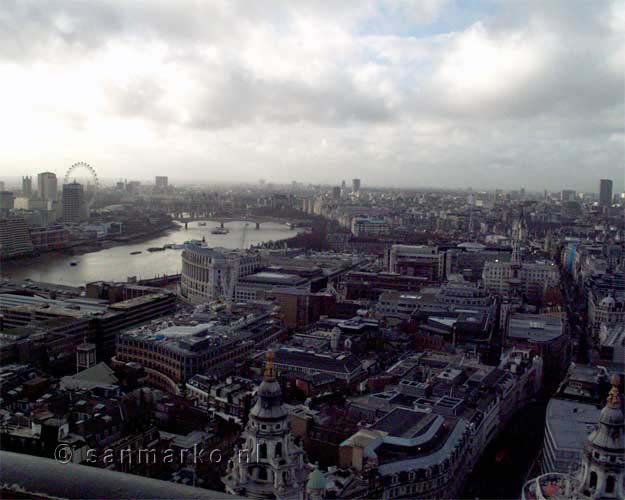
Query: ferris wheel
[86,175]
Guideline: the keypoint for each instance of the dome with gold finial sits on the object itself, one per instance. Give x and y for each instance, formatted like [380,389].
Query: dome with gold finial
[612,413]
[276,465]
[269,402]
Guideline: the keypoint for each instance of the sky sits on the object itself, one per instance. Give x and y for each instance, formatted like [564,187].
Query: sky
[401,93]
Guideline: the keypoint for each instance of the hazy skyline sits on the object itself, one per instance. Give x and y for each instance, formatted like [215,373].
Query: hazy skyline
[405,93]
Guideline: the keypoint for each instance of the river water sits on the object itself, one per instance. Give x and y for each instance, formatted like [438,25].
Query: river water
[116,263]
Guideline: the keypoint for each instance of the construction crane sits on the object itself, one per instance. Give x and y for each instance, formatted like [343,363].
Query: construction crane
[229,276]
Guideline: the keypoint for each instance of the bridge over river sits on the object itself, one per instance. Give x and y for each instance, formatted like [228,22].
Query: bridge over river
[257,220]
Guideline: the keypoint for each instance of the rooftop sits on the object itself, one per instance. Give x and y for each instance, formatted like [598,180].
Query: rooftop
[272,278]
[535,327]
[570,422]
[342,363]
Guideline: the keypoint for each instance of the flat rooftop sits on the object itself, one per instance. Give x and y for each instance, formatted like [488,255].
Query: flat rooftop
[570,422]
[535,327]
[272,278]
[401,422]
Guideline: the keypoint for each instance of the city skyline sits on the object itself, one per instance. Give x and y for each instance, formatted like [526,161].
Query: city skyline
[422,94]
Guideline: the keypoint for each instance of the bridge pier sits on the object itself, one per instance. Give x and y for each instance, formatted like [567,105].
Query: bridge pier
[221,224]
[258,225]
[185,225]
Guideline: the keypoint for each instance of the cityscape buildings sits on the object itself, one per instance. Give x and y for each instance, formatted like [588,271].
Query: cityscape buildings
[426,352]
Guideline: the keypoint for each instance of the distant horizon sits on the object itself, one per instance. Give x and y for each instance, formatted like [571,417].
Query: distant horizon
[15,181]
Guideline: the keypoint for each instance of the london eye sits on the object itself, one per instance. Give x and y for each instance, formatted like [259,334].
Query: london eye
[86,175]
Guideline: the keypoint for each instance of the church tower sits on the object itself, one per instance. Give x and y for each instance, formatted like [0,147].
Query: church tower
[85,356]
[270,465]
[602,473]
[603,467]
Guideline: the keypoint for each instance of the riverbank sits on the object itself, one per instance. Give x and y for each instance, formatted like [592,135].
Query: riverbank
[104,244]
[77,248]
[120,261]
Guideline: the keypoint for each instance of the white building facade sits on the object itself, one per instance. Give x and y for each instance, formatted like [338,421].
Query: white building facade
[210,274]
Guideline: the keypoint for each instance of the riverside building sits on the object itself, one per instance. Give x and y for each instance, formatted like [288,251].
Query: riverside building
[210,274]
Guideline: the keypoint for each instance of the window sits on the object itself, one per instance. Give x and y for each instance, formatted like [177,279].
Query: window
[278,451]
[262,473]
[593,480]
[610,484]
[262,450]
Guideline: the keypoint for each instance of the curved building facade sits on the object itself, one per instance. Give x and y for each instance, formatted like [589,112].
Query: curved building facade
[211,273]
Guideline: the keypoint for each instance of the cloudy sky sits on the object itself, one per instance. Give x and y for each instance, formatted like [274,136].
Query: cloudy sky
[483,93]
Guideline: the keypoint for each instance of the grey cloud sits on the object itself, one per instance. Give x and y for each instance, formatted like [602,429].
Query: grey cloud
[240,98]
[555,125]
[141,99]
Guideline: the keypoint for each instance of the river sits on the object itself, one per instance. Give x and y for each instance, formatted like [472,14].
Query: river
[116,263]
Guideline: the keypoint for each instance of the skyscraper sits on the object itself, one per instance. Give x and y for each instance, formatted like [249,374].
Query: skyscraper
[74,206]
[605,192]
[355,186]
[161,182]
[6,202]
[568,195]
[27,186]
[47,186]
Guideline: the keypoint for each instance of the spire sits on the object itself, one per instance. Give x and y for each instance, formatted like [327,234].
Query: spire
[518,235]
[269,365]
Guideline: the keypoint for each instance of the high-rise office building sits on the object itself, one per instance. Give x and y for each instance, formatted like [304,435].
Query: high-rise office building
[47,186]
[27,186]
[568,195]
[355,186]
[605,192]
[74,206]
[6,202]
[336,192]
[161,182]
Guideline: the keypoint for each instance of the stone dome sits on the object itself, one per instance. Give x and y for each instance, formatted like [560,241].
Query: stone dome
[611,416]
[609,435]
[269,396]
